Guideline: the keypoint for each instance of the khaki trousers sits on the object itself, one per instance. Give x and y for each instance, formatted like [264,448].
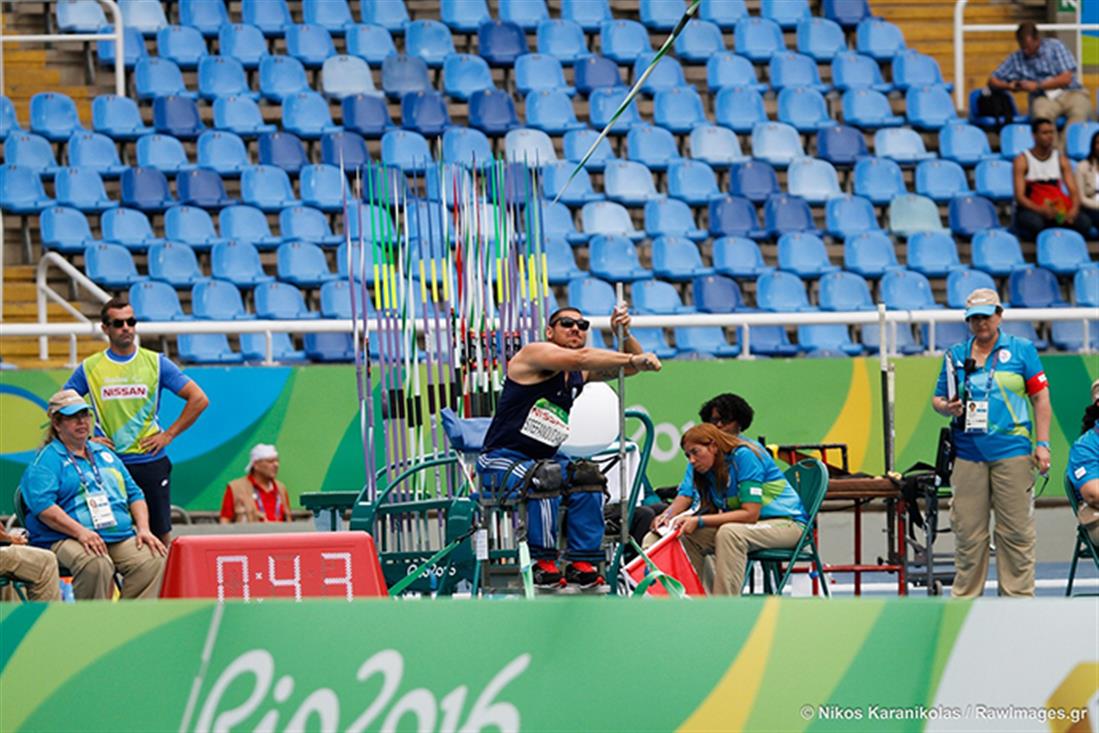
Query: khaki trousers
[1006,488]
[34,566]
[730,544]
[93,575]
[1074,105]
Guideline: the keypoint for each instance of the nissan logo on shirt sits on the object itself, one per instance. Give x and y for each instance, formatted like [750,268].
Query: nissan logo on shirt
[124,392]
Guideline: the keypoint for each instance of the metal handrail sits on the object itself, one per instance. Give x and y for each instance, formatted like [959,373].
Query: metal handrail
[117,35]
[44,292]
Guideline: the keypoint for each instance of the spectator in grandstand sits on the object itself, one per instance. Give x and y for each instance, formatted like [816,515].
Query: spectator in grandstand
[1045,69]
[1087,181]
[83,505]
[31,565]
[531,422]
[743,501]
[1083,468]
[984,386]
[257,496]
[124,383]
[1042,175]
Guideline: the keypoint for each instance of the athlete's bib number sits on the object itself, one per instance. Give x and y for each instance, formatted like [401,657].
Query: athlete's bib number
[547,423]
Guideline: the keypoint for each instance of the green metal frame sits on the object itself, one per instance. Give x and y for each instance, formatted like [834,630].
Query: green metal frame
[1084,547]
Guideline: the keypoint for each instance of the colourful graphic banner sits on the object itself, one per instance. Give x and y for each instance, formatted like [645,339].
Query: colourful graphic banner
[551,665]
[310,414]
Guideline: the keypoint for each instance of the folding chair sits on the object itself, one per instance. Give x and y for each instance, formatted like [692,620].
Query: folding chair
[1084,547]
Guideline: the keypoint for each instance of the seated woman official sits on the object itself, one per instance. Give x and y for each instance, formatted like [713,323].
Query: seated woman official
[1083,468]
[744,504]
[82,504]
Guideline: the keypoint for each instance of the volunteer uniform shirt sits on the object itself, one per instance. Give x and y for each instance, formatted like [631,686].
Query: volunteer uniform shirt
[1010,375]
[55,477]
[753,479]
[1083,460]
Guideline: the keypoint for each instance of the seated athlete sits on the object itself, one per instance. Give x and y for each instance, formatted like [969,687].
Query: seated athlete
[531,423]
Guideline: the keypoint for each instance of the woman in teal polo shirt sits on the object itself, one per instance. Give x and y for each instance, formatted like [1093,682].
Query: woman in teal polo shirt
[1083,468]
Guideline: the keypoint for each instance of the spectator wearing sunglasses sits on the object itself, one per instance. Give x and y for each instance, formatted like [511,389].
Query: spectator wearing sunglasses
[123,384]
[531,423]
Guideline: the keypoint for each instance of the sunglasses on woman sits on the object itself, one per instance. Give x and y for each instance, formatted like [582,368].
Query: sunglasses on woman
[565,322]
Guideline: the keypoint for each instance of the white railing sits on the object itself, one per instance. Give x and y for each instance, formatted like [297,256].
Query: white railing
[115,35]
[960,29]
[44,292]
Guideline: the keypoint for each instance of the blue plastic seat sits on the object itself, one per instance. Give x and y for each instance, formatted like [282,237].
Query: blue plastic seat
[557,186]
[539,72]
[223,152]
[879,39]
[615,258]
[270,16]
[64,230]
[596,72]
[755,180]
[846,216]
[366,115]
[727,69]
[777,143]
[758,38]
[840,145]
[247,224]
[240,116]
[716,294]
[960,282]
[704,342]
[191,226]
[146,16]
[329,347]
[560,261]
[603,103]
[527,14]
[465,146]
[281,77]
[716,146]
[306,224]
[820,39]
[608,218]
[371,43]
[868,109]
[282,150]
[173,263]
[133,48]
[662,15]
[723,13]
[692,181]
[562,39]
[1014,139]
[429,40]
[177,116]
[127,227]
[238,262]
[1085,287]
[9,122]
[223,76]
[930,108]
[659,298]
[205,16]
[739,108]
[345,76]
[464,74]
[987,122]
[111,266]
[965,144]
[805,109]
[82,188]
[941,180]
[679,110]
[699,42]
[552,112]
[622,41]
[403,74]
[1063,251]
[303,264]
[54,116]
[848,13]
[827,340]
[591,295]
[464,16]
[208,348]
[933,254]
[971,214]
[577,143]
[340,148]
[907,290]
[1069,335]
[335,300]
[734,216]
[145,189]
[879,179]
[791,69]
[902,144]
[997,252]
[787,13]
[324,188]
[307,115]
[671,217]
[901,339]
[243,42]
[390,14]
[157,77]
[783,214]
[781,292]
[155,301]
[677,259]
[202,187]
[182,45]
[163,152]
[557,222]
[267,188]
[531,147]
[501,42]
[32,152]
[1078,137]
[281,301]
[588,14]
[406,150]
[851,70]
[79,16]
[845,291]
[665,76]
[629,183]
[870,254]
[914,69]
[738,257]
[1034,287]
[653,147]
[425,112]
[803,254]
[911,213]
[993,180]
[332,15]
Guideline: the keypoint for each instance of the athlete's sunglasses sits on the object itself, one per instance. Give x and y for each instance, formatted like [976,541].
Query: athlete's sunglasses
[565,322]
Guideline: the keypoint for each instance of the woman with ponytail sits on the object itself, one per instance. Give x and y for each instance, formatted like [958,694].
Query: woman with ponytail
[1083,468]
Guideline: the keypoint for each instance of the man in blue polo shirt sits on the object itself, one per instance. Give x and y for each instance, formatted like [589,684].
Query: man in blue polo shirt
[987,386]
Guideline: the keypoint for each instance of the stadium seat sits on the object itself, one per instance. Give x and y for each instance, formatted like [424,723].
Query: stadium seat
[608,218]
[391,15]
[699,41]
[577,143]
[174,263]
[267,188]
[1014,139]
[238,262]
[603,103]
[79,16]
[307,115]
[704,342]
[335,300]
[868,109]
[783,214]
[223,152]
[465,146]
[345,76]
[739,108]
[594,72]
[670,217]
[425,112]
[941,180]
[614,258]
[789,69]
[552,112]
[146,16]
[329,347]
[403,75]
[464,16]
[371,43]
[727,69]
[900,337]
[155,301]
[588,14]
[910,213]
[332,15]
[191,226]
[9,122]
[805,109]
[987,122]
[879,179]
[281,77]
[324,188]
[827,340]
[1062,251]
[366,115]
[32,152]
[429,40]
[851,71]
[1078,138]
[820,39]
[344,149]
[561,261]
[281,301]
[128,227]
[182,45]
[930,108]
[526,14]
[629,183]
[907,290]
[247,224]
[557,186]
[679,110]
[777,143]
[1034,287]
[240,116]
[964,144]
[847,216]
[133,48]
[501,42]
[1085,287]
[243,42]
[539,72]
[163,152]
[734,216]
[622,41]
[283,150]
[562,39]
[145,189]
[870,254]
[755,180]
[111,266]
[203,188]
[1069,335]
[305,224]
[557,222]
[54,116]
[207,348]
[997,252]
[803,254]
[787,13]
[593,296]
[845,291]
[662,15]
[758,39]
[657,297]
[311,44]
[1026,330]
[531,147]
[723,13]
[879,39]
[303,264]
[781,292]
[848,13]
[994,180]
[223,76]
[677,259]
[738,257]
[64,230]
[157,77]
[464,74]
[177,116]
[933,254]
[692,181]
[901,144]
[654,147]
[82,188]
[206,16]
[716,294]
[666,75]
[971,214]
[406,150]
[960,282]
[914,69]
[272,17]
[95,151]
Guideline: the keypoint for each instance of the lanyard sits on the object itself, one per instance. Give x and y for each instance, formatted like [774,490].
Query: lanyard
[993,357]
[97,478]
[259,501]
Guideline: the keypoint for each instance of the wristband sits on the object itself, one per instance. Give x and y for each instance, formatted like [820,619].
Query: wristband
[701,523]
[1042,444]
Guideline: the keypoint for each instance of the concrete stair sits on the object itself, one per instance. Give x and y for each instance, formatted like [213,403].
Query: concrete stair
[20,306]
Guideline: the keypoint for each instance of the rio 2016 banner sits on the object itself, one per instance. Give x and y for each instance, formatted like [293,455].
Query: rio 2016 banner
[310,413]
[551,665]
